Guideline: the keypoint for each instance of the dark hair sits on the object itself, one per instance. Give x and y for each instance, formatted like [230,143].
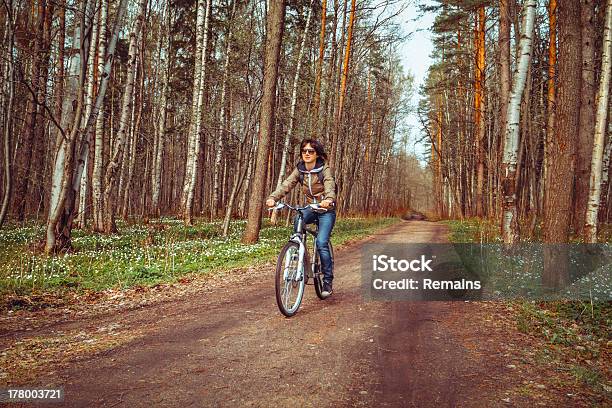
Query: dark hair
[316,145]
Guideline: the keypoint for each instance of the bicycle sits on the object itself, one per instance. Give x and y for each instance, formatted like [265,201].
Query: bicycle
[293,268]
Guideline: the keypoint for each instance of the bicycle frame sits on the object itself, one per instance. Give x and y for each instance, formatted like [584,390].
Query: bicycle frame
[299,236]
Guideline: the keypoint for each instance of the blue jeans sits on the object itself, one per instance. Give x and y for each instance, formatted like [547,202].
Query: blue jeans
[326,224]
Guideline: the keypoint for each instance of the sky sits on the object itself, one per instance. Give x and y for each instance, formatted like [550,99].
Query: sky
[415,53]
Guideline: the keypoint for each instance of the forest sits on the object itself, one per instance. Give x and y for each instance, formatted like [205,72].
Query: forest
[516,110]
[136,110]
[140,140]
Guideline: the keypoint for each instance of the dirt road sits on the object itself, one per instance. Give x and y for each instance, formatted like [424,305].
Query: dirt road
[231,347]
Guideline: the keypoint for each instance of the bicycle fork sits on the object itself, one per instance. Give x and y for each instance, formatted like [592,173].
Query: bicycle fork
[300,266]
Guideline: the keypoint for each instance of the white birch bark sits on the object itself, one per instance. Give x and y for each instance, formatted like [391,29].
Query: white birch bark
[131,158]
[117,150]
[600,131]
[511,144]
[65,141]
[70,94]
[605,166]
[195,92]
[160,135]
[74,175]
[81,217]
[193,151]
[96,179]
[222,132]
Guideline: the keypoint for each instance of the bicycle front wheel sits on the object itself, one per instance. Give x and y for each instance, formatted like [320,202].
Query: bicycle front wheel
[289,282]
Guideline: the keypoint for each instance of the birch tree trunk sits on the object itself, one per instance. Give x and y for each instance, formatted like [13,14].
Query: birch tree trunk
[274,34]
[117,150]
[223,125]
[590,230]
[105,75]
[511,144]
[160,135]
[504,97]
[96,179]
[193,147]
[135,136]
[289,134]
[604,205]
[81,220]
[59,223]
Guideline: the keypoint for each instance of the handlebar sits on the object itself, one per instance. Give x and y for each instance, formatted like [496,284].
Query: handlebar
[316,207]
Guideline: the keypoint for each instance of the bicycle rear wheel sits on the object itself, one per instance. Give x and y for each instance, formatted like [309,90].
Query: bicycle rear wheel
[318,279]
[289,288]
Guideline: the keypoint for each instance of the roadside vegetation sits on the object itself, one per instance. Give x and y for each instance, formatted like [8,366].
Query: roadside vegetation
[143,254]
[571,337]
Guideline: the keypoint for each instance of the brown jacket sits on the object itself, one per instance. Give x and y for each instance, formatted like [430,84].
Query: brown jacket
[312,187]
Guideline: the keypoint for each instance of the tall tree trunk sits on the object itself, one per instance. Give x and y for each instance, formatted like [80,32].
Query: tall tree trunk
[238,183]
[9,83]
[559,182]
[343,85]
[101,92]
[274,35]
[26,147]
[315,127]
[117,149]
[81,219]
[584,145]
[98,165]
[505,9]
[135,131]
[62,198]
[289,133]
[560,177]
[160,135]
[552,62]
[193,147]
[214,208]
[590,230]
[511,144]
[479,108]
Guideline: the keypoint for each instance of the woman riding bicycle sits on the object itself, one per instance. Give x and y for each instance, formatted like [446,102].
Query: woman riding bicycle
[319,187]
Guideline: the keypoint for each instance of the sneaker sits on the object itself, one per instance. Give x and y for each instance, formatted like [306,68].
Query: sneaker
[327,290]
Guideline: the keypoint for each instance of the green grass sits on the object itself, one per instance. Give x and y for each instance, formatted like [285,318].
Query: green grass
[473,230]
[144,254]
[568,323]
[576,334]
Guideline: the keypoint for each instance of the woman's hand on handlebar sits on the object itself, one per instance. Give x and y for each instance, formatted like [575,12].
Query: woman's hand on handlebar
[270,202]
[326,203]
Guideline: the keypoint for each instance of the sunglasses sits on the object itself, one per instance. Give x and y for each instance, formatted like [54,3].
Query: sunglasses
[308,151]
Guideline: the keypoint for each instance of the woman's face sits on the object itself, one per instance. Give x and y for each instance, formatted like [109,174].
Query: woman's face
[309,155]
